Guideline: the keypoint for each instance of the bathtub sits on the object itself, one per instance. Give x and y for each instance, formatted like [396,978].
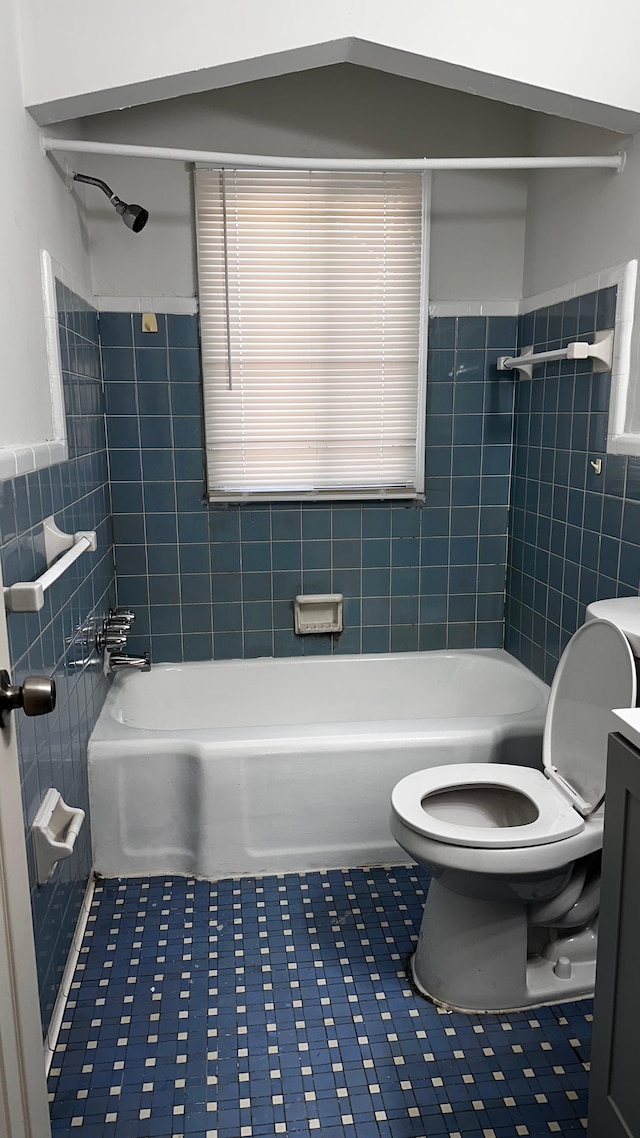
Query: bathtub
[244,767]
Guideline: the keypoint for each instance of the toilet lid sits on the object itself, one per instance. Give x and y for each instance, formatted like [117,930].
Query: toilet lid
[596,673]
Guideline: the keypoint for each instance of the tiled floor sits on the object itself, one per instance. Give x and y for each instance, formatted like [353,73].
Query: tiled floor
[280,1006]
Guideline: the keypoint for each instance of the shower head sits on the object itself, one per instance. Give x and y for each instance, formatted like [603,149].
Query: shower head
[135,217]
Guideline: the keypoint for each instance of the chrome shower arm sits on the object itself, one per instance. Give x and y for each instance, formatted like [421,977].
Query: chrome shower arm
[98,182]
[134,216]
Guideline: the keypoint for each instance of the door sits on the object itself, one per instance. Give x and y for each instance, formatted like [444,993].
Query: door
[23,1096]
[614,1104]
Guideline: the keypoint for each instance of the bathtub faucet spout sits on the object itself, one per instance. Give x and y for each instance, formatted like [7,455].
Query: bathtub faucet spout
[118,661]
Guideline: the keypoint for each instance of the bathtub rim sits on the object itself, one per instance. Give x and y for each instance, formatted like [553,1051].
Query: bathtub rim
[109,729]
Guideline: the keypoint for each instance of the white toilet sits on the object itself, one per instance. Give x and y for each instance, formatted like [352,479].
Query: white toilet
[510,920]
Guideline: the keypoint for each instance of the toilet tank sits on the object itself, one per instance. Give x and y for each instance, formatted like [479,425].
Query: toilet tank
[624,612]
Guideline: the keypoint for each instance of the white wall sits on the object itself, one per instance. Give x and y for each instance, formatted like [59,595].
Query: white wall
[478,219]
[572,58]
[581,222]
[35,211]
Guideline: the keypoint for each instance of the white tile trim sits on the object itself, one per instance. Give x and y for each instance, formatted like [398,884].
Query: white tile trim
[175,305]
[619,440]
[49,269]
[590,283]
[26,457]
[623,444]
[70,280]
[474,307]
[64,990]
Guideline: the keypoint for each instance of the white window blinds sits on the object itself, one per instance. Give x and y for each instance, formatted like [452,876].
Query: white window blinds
[311,309]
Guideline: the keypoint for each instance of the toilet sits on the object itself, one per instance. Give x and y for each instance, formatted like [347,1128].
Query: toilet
[510,921]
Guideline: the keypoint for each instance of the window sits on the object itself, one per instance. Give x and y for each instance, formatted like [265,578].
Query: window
[312,309]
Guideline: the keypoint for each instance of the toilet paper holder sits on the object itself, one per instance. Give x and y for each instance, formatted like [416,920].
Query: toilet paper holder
[55,829]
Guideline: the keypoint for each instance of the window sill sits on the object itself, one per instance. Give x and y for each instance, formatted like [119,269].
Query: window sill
[329,496]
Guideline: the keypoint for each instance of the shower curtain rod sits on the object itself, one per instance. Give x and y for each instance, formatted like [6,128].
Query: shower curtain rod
[277,162]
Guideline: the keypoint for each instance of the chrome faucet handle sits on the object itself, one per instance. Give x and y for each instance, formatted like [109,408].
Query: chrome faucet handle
[109,639]
[121,614]
[114,640]
[113,624]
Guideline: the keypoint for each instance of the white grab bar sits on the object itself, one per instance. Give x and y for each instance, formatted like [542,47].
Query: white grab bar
[600,351]
[28,596]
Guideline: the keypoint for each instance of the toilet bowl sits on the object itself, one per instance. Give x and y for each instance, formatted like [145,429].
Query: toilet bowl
[510,920]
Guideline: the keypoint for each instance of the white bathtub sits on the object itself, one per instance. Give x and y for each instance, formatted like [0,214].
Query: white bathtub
[252,766]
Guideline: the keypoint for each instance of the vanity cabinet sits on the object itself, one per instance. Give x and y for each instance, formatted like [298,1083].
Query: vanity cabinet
[614,1102]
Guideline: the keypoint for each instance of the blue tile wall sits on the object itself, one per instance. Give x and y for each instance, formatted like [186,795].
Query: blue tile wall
[218,582]
[53,749]
[575,535]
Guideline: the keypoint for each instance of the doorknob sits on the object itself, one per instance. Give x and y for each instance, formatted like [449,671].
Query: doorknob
[36,696]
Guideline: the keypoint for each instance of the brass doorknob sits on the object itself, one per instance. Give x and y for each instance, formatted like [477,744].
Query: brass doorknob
[36,696]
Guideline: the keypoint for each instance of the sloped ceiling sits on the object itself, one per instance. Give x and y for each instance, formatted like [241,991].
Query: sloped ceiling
[559,58]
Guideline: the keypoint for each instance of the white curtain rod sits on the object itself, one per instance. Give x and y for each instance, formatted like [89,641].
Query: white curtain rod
[277,162]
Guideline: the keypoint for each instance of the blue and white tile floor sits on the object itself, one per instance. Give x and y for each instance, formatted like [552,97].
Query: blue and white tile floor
[255,1007]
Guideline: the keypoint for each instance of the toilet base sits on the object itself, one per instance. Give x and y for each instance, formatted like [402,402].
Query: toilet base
[471,955]
[543,987]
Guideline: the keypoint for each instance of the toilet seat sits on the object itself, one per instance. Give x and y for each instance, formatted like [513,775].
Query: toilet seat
[529,808]
[556,817]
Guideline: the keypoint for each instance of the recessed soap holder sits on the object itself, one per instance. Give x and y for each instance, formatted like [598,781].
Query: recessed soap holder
[55,829]
[317,612]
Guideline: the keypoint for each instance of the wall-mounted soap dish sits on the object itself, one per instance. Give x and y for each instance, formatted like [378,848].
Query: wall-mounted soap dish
[318,612]
[55,829]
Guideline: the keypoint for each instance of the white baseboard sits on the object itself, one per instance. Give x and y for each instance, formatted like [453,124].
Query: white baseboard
[57,1016]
